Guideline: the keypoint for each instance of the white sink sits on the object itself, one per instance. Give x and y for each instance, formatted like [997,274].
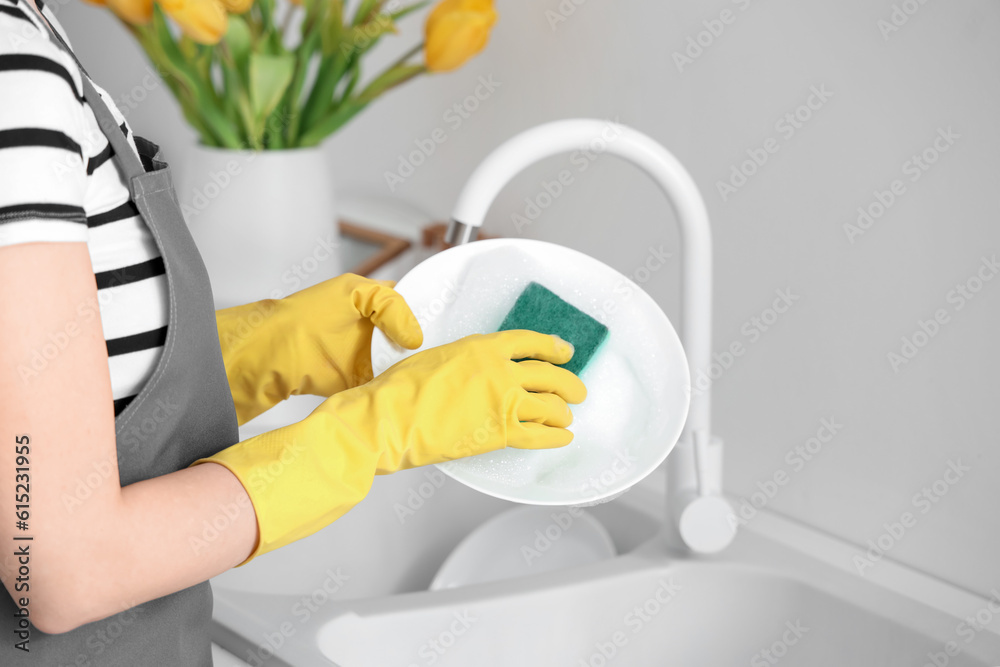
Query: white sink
[355,595]
[749,608]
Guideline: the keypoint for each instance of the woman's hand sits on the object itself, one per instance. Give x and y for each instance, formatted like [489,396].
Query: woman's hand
[470,397]
[316,341]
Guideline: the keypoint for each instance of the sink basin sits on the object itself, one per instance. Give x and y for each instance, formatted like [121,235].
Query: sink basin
[355,595]
[687,613]
[758,605]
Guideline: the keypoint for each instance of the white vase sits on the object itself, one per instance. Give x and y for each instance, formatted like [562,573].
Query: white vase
[264,221]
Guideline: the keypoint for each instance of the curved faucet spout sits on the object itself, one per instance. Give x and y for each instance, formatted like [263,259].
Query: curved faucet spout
[692,466]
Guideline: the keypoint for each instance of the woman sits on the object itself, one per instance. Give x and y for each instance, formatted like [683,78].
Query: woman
[121,389]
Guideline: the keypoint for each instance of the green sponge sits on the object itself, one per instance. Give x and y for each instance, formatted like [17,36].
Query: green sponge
[538,309]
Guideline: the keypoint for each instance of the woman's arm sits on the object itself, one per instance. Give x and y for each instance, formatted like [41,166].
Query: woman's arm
[98,548]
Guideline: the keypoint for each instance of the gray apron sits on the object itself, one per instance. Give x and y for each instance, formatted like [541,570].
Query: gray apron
[183,413]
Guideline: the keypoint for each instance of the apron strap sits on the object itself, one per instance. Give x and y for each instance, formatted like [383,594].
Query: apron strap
[124,155]
[115,133]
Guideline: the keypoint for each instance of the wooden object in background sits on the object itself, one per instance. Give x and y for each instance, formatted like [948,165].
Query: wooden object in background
[389,246]
[432,236]
[386,247]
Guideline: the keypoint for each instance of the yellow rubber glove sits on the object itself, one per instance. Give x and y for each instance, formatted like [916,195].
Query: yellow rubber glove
[316,341]
[456,400]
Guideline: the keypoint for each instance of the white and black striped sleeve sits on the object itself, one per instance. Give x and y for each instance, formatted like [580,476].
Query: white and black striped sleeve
[43,174]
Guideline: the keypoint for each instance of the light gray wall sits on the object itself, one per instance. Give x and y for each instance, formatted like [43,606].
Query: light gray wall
[783,230]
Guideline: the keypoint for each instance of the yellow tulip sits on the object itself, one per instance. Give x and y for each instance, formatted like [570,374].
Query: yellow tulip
[133,12]
[455,31]
[237,6]
[204,21]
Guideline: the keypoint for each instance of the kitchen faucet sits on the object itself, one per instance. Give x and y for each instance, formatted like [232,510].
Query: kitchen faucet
[698,514]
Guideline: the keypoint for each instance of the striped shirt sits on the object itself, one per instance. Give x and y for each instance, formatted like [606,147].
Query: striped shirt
[58,183]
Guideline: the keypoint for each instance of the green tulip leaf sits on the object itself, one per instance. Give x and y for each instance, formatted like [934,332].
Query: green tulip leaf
[270,76]
[391,78]
[400,13]
[332,29]
[365,10]
[360,39]
[239,41]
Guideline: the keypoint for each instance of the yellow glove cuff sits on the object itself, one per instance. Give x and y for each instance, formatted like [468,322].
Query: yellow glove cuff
[304,476]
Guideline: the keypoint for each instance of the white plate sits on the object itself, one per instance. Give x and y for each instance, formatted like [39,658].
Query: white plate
[638,382]
[523,541]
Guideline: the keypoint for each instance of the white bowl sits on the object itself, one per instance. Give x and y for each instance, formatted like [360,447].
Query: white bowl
[638,382]
[523,541]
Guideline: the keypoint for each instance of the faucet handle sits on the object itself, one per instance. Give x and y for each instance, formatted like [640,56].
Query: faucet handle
[706,524]
[706,521]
